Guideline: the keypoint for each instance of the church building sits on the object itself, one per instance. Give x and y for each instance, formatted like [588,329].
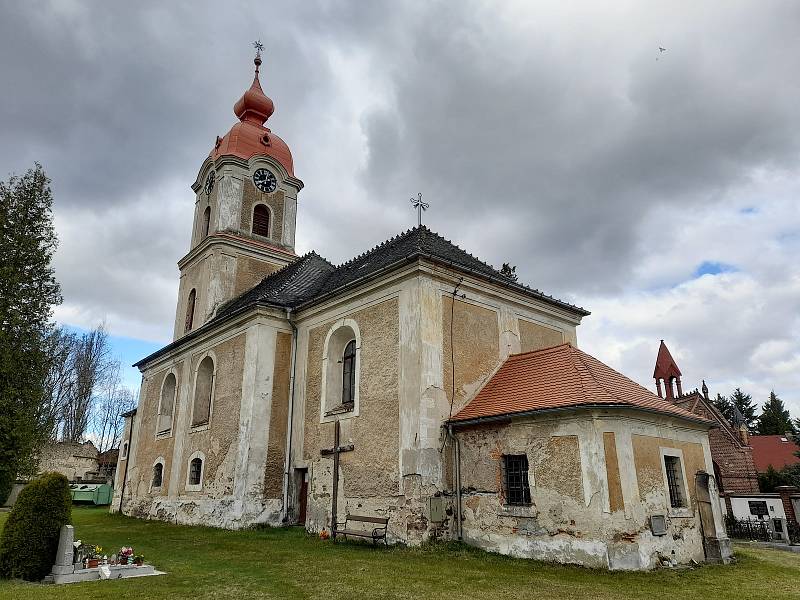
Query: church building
[414,383]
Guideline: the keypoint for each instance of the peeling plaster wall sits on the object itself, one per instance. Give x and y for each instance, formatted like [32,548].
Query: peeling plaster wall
[234,443]
[476,343]
[578,515]
[274,201]
[368,478]
[249,272]
[534,336]
[276,452]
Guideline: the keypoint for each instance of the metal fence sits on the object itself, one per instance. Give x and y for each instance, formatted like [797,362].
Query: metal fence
[747,529]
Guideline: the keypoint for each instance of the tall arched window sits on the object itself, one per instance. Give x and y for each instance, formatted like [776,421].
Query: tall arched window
[165,407]
[206,220]
[190,311]
[261,220]
[349,374]
[341,358]
[203,390]
[158,474]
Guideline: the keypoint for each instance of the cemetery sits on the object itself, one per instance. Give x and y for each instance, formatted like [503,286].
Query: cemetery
[203,562]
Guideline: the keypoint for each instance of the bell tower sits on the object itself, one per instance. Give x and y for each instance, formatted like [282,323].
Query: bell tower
[245,212]
[667,371]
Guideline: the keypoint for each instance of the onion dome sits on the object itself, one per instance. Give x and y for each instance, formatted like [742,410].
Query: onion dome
[249,137]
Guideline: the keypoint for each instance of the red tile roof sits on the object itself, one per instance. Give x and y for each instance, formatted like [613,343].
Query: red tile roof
[773,450]
[561,377]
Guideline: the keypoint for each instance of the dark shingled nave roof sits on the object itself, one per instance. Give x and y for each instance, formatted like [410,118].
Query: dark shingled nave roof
[312,279]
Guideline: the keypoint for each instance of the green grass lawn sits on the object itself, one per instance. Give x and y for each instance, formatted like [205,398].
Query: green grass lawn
[288,563]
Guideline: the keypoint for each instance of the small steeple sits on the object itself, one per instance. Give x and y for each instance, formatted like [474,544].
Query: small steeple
[254,106]
[704,389]
[668,371]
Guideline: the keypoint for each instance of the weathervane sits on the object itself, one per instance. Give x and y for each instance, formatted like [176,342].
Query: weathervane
[259,47]
[420,206]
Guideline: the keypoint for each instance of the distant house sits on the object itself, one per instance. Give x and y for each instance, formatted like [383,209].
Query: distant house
[79,461]
[776,450]
[72,459]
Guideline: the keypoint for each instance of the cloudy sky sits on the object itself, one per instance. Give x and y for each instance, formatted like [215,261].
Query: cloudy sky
[660,190]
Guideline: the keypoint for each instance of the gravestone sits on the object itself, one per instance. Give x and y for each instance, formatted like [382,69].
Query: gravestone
[66,551]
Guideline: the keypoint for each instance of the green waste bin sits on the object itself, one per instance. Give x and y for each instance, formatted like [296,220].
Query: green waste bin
[91,493]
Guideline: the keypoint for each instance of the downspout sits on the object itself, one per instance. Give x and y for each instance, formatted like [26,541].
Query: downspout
[288,461]
[127,462]
[457,448]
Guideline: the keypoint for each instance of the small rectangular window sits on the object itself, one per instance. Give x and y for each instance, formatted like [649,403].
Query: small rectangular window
[515,479]
[677,495]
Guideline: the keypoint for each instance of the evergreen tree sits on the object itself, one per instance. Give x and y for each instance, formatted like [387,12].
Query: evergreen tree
[774,419]
[723,405]
[769,480]
[744,402]
[28,291]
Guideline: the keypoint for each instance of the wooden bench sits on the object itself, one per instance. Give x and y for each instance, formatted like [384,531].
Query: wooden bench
[377,533]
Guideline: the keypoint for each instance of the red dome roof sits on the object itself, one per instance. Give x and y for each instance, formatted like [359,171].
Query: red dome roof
[249,137]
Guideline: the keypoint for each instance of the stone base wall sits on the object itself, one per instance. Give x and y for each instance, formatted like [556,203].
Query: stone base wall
[225,513]
[566,533]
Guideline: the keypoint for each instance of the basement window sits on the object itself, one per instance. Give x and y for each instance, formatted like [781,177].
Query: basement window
[515,479]
[677,495]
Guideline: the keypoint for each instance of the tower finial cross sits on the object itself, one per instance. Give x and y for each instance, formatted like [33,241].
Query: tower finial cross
[259,47]
[420,206]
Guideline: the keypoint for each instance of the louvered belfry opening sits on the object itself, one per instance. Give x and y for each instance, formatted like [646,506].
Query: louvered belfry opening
[261,220]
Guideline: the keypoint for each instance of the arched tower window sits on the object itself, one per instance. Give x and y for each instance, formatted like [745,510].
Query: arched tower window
[206,220]
[158,475]
[203,391]
[165,407]
[349,374]
[195,470]
[261,220]
[190,311]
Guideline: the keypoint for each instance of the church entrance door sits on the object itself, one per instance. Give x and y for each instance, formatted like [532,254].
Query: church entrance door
[302,476]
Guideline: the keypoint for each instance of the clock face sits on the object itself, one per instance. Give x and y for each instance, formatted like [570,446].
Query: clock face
[264,180]
[209,183]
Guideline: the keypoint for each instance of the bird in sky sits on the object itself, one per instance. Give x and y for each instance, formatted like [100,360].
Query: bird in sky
[662,49]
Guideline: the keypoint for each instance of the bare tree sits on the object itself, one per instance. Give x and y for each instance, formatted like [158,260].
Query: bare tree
[91,365]
[113,400]
[60,345]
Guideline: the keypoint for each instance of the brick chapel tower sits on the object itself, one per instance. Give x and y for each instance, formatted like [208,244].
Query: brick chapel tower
[245,213]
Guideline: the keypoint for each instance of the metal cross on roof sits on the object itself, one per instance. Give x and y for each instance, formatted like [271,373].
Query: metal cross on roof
[258,46]
[420,206]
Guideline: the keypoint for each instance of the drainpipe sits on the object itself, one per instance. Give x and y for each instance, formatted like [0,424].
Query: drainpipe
[288,461]
[127,462]
[457,447]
